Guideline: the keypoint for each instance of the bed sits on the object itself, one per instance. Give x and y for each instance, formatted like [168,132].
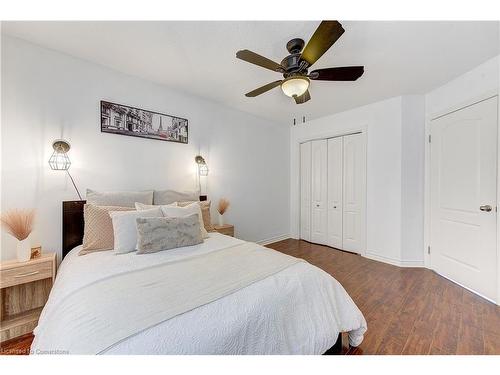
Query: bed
[298,310]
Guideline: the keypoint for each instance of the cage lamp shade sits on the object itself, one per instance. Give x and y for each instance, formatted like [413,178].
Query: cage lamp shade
[59,160]
[202,165]
[203,169]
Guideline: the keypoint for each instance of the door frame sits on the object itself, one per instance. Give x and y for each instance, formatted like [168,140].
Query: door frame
[334,133]
[427,179]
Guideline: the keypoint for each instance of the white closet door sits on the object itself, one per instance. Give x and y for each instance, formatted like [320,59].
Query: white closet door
[319,186]
[305,191]
[354,193]
[335,166]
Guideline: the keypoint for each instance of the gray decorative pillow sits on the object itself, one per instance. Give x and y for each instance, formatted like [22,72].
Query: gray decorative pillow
[164,233]
[119,198]
[171,196]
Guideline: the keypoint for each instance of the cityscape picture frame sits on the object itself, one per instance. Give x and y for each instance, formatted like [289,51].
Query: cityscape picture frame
[126,120]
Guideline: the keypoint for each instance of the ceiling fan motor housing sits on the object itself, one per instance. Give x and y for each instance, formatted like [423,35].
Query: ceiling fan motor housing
[295,45]
[292,64]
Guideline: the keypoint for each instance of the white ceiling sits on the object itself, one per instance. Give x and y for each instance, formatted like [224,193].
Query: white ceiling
[199,57]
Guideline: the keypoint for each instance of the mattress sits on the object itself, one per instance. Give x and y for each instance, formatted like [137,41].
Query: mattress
[299,310]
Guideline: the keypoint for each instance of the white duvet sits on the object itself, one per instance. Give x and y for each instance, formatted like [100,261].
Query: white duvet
[299,310]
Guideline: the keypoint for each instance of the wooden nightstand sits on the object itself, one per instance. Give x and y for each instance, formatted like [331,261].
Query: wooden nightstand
[24,288]
[227,229]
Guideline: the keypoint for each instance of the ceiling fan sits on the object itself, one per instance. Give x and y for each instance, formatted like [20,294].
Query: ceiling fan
[294,67]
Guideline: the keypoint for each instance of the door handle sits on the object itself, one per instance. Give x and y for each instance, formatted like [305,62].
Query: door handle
[485,207]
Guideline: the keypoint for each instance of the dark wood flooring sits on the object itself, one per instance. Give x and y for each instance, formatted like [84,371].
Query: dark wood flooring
[408,310]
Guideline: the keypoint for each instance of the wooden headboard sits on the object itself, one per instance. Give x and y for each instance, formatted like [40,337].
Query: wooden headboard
[72,225]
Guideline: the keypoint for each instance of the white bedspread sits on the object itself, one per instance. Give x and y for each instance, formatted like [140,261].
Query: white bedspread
[299,310]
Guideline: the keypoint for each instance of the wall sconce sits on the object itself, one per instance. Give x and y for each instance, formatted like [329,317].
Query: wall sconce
[202,165]
[202,171]
[59,161]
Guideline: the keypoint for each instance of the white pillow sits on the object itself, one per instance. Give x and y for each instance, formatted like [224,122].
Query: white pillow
[193,208]
[141,206]
[125,228]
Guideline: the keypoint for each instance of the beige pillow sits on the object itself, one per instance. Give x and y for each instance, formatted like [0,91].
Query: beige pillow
[98,230]
[193,208]
[205,213]
[157,234]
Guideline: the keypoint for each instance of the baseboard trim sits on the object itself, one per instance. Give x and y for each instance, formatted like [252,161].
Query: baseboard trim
[394,261]
[469,289]
[274,239]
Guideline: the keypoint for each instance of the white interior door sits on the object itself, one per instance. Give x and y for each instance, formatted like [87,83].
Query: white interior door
[354,191]
[305,191]
[463,189]
[319,193]
[335,166]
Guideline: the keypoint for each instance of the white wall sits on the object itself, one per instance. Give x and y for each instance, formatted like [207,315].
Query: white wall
[484,79]
[48,95]
[412,179]
[383,123]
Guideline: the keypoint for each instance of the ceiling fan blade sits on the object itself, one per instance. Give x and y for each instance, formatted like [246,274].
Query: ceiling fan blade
[263,89]
[254,58]
[345,73]
[303,98]
[327,33]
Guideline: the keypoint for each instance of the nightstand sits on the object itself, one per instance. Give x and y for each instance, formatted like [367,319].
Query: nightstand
[24,288]
[227,229]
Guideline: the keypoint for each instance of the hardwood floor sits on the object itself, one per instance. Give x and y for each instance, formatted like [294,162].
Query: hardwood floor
[18,346]
[408,310]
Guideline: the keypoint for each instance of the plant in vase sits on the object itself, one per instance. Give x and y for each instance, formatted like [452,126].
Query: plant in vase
[19,224]
[222,207]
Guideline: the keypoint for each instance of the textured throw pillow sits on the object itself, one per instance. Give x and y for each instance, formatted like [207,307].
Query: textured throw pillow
[98,229]
[119,198]
[193,208]
[125,228]
[205,213]
[156,234]
[141,207]
[171,196]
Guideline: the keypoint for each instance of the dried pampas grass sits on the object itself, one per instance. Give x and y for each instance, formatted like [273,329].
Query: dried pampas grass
[222,206]
[18,223]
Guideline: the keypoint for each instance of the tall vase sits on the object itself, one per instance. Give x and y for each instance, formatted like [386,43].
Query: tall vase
[221,220]
[23,250]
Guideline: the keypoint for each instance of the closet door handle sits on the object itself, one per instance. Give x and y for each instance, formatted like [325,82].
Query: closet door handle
[317,205]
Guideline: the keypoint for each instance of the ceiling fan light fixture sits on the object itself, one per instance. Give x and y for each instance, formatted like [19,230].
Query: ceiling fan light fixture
[295,86]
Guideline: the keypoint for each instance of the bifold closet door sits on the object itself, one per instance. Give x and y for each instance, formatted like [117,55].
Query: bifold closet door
[319,191]
[354,188]
[305,191]
[335,172]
